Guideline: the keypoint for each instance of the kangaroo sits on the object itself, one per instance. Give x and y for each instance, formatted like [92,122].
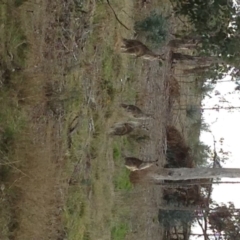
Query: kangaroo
[135,164]
[124,128]
[138,49]
[135,111]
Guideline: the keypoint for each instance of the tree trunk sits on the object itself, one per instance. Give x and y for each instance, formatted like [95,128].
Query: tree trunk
[203,109]
[196,70]
[183,43]
[195,60]
[190,184]
[174,174]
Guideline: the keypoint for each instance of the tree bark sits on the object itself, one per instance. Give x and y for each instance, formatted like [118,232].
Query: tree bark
[174,174]
[197,70]
[183,43]
[190,184]
[196,60]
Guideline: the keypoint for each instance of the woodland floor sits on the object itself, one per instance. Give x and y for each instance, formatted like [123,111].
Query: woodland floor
[62,176]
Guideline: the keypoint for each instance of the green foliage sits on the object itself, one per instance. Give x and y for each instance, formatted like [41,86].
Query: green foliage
[119,232]
[204,89]
[201,153]
[116,152]
[193,112]
[14,40]
[172,218]
[122,182]
[154,26]
[196,127]
[204,126]
[216,26]
[205,15]
[121,177]
[18,3]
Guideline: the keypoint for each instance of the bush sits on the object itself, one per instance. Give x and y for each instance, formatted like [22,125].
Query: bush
[154,27]
[178,153]
[172,218]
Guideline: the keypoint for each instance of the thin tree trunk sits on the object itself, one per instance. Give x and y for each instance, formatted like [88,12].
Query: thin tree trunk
[189,184]
[212,108]
[196,70]
[183,43]
[196,60]
[174,174]
[193,208]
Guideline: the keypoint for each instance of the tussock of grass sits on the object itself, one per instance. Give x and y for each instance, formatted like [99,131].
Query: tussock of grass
[18,3]
[8,213]
[13,51]
[119,231]
[116,152]
[122,181]
[121,176]
[76,214]
[14,46]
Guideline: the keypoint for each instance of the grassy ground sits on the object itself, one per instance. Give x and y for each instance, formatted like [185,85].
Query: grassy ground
[61,82]
[59,93]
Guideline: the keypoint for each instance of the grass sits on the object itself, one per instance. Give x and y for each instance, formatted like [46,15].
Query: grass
[121,176]
[98,179]
[13,40]
[13,52]
[119,231]
[122,181]
[89,197]
[62,175]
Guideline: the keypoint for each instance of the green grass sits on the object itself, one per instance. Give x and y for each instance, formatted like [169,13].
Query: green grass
[76,214]
[14,46]
[19,92]
[13,52]
[122,181]
[116,152]
[121,176]
[18,3]
[119,231]
[89,160]
[91,199]
[13,124]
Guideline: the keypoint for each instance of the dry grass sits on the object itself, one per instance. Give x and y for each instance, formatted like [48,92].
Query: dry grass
[37,178]
[37,190]
[65,177]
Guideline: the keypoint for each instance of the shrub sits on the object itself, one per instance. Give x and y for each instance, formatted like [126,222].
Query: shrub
[154,27]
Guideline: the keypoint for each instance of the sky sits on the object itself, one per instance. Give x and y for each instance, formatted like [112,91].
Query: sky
[224,124]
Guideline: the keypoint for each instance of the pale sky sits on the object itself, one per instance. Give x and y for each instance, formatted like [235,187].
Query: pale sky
[224,124]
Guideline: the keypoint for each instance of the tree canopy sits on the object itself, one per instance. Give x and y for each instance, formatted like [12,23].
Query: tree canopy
[215,25]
